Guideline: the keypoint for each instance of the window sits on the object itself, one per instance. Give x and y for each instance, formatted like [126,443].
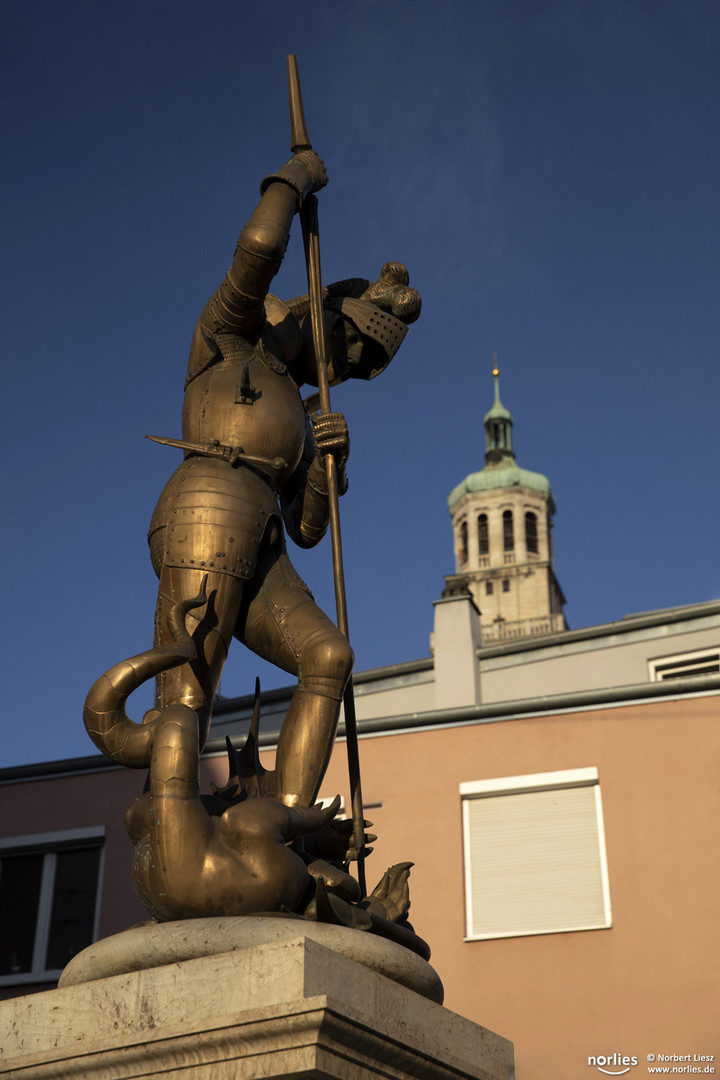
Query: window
[506,585]
[488,588]
[463,544]
[498,434]
[49,891]
[531,533]
[706,662]
[508,533]
[483,535]
[534,855]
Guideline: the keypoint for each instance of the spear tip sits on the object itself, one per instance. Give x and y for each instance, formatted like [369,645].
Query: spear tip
[299,138]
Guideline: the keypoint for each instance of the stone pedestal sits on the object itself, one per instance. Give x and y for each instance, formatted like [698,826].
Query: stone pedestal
[289,1008]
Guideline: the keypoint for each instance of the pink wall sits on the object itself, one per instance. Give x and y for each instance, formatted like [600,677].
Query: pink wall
[647,985]
[651,981]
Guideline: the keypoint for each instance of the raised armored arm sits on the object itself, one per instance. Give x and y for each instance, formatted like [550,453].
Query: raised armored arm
[237,305]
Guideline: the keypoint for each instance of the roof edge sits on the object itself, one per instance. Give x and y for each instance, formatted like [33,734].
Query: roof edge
[696,686]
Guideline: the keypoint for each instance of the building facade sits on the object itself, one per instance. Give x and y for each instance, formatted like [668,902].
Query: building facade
[564,870]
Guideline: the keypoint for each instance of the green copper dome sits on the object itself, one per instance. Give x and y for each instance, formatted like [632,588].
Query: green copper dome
[502,474]
[500,470]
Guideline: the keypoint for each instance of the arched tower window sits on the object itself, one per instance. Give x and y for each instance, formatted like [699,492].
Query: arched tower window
[508,532]
[531,532]
[483,535]
[463,548]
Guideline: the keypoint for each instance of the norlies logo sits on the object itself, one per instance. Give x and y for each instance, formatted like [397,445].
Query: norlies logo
[613,1064]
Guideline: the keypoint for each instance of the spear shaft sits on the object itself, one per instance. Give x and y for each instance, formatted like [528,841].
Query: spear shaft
[311,240]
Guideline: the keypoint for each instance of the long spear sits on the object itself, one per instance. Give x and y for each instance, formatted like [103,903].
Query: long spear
[311,239]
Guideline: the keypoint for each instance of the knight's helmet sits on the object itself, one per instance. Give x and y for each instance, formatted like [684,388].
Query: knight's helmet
[365,322]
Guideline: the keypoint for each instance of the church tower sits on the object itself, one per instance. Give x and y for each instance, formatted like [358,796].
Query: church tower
[502,524]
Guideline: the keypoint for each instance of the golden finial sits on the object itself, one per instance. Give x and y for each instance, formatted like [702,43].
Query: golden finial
[496,369]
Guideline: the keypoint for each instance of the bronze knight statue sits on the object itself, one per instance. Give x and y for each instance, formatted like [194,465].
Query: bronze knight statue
[252,462]
[254,470]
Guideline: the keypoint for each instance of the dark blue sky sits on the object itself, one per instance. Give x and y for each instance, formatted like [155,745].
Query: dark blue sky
[548,170]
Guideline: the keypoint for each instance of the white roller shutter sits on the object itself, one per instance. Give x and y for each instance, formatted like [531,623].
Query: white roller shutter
[535,859]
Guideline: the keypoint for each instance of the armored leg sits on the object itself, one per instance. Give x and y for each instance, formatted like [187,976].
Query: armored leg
[211,627]
[281,622]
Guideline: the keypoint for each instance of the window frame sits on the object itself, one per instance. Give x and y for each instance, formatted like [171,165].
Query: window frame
[463,553]
[516,785]
[49,844]
[483,531]
[532,533]
[508,527]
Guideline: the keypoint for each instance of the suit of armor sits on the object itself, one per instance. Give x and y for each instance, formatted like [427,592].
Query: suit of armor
[252,461]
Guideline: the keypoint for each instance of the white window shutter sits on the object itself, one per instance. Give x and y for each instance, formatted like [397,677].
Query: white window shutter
[535,862]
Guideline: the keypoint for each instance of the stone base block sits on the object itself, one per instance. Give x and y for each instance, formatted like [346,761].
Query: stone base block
[154,944]
[288,1009]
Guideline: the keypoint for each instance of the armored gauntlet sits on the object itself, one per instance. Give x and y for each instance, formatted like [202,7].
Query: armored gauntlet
[304,173]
